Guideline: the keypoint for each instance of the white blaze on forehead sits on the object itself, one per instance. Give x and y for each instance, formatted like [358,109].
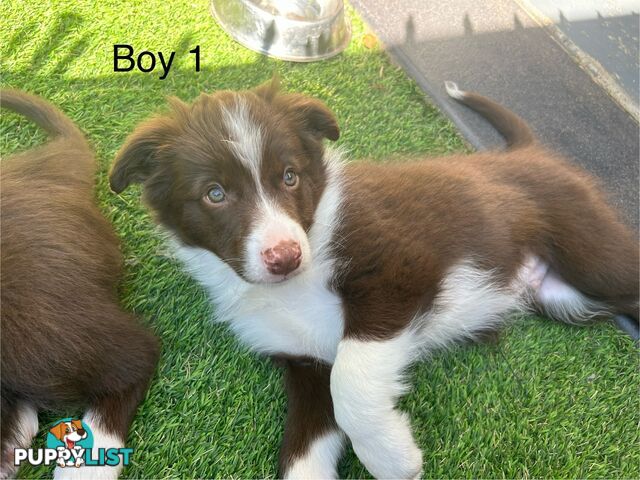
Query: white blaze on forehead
[245,136]
[271,224]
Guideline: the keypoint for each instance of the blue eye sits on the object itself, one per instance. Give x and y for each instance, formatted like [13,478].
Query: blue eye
[290,178]
[215,194]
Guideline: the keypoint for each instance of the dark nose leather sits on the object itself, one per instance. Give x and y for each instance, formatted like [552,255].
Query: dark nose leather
[81,431]
[282,259]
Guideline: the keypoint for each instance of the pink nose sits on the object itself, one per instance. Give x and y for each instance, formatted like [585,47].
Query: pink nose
[282,259]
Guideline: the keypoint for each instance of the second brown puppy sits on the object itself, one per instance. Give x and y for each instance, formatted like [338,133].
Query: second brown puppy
[66,342]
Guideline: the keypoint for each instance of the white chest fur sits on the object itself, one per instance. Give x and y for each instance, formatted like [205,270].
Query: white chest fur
[298,317]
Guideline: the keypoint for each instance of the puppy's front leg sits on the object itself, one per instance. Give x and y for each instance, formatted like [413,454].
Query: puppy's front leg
[312,442]
[366,381]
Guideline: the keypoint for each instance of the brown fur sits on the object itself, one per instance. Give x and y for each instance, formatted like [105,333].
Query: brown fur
[492,206]
[65,340]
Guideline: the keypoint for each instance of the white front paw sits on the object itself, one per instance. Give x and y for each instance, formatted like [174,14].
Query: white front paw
[392,453]
[85,472]
[7,468]
[391,462]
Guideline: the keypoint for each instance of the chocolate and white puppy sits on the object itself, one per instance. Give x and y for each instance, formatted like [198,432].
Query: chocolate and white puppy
[351,272]
[66,342]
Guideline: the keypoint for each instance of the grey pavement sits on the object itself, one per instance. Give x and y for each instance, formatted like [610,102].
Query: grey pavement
[607,31]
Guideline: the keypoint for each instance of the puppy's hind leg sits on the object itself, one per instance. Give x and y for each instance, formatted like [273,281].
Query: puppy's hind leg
[124,379]
[108,419]
[551,295]
[592,257]
[19,426]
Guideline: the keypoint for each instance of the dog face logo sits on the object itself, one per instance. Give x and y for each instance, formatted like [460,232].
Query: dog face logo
[70,443]
[69,437]
[69,432]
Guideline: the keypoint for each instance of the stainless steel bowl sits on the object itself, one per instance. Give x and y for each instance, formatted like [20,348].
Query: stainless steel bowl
[295,30]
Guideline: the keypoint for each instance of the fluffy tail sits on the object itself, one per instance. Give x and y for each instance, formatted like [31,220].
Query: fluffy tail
[515,131]
[48,117]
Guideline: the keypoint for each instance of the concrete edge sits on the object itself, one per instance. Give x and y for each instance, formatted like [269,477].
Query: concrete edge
[586,62]
[437,96]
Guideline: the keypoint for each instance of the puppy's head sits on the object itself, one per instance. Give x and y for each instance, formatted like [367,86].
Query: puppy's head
[237,173]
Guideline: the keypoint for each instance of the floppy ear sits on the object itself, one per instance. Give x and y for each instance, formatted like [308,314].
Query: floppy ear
[58,430]
[313,116]
[138,157]
[310,114]
[77,424]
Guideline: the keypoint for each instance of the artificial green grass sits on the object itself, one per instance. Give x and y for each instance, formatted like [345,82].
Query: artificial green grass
[547,401]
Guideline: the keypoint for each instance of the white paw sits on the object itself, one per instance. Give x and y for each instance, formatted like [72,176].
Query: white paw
[308,472]
[85,472]
[394,455]
[7,470]
[320,460]
[7,467]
